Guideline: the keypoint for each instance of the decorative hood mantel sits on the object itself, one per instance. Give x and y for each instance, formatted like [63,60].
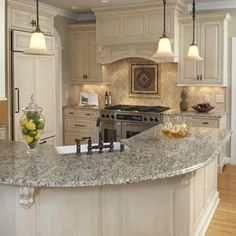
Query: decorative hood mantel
[134,31]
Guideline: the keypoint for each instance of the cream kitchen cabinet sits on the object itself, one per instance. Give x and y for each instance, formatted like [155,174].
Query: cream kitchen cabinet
[79,123]
[83,54]
[23,17]
[211,37]
[34,75]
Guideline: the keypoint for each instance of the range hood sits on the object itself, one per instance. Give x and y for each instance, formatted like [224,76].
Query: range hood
[134,31]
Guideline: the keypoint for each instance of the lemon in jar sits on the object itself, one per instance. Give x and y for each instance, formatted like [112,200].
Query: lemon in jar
[40,124]
[37,136]
[30,125]
[28,139]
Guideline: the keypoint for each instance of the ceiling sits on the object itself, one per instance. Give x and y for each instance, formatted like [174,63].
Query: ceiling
[86,5]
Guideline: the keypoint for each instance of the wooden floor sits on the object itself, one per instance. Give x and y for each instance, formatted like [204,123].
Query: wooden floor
[224,220]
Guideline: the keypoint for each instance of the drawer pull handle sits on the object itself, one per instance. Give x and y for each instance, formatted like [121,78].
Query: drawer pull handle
[88,114]
[71,113]
[77,125]
[205,123]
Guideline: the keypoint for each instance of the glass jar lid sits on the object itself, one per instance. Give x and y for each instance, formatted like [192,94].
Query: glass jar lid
[32,106]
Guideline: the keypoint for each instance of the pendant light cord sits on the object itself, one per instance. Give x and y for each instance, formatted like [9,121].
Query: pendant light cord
[164,20]
[194,17]
[37,15]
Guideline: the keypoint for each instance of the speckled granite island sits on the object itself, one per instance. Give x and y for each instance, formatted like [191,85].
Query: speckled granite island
[157,186]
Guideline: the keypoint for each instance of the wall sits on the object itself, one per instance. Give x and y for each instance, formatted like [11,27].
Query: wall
[60,24]
[119,73]
[3,112]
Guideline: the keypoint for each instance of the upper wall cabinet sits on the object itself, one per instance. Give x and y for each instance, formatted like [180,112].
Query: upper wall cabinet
[211,37]
[83,54]
[24,17]
[134,31]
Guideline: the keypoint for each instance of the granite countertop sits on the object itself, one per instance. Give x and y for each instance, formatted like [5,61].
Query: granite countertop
[150,156]
[213,113]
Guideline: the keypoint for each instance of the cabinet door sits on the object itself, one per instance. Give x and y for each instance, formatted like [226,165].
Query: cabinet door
[77,55]
[212,52]
[45,91]
[188,70]
[91,66]
[24,86]
[21,19]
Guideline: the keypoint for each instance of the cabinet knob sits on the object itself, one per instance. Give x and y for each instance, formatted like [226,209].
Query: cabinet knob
[71,113]
[88,114]
[205,123]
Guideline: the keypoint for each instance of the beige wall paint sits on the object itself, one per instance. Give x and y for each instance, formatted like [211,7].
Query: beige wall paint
[60,24]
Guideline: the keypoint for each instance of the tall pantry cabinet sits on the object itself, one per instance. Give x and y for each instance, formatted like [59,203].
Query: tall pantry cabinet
[31,74]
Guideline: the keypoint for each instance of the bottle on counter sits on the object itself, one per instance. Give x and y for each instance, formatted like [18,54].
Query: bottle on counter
[109,98]
[106,99]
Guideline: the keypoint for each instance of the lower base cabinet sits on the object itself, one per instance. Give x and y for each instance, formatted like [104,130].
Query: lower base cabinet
[80,123]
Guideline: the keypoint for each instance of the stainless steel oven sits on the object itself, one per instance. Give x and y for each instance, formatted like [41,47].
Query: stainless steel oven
[130,129]
[125,121]
[109,128]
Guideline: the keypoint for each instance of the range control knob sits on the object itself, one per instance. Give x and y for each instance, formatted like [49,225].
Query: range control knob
[151,119]
[107,116]
[103,115]
[112,116]
[145,118]
[156,119]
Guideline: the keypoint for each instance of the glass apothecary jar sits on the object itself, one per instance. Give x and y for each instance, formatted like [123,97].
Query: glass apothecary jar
[32,123]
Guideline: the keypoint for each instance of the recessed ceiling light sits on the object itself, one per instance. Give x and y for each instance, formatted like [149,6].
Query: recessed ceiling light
[105,1]
[74,7]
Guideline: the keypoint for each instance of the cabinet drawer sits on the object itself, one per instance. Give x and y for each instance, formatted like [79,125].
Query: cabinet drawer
[22,20]
[81,113]
[202,122]
[69,138]
[75,124]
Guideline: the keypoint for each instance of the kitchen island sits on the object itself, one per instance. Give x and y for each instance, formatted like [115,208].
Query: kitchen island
[158,186]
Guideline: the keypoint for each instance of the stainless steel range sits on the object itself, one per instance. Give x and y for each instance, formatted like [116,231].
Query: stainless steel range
[124,121]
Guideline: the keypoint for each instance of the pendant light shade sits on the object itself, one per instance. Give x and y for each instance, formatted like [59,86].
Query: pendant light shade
[37,41]
[164,46]
[193,52]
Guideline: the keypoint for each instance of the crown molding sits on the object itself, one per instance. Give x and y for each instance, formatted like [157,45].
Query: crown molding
[213,5]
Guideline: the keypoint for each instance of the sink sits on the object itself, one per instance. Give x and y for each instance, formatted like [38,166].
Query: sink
[72,148]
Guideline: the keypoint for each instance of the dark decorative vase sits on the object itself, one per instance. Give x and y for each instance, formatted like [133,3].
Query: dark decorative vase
[183,104]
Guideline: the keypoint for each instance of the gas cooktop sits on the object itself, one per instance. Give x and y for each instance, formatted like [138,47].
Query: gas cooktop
[156,109]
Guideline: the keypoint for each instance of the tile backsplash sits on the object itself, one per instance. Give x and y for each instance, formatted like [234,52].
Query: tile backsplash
[119,75]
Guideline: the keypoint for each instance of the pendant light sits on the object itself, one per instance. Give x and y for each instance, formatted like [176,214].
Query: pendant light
[193,52]
[164,45]
[37,41]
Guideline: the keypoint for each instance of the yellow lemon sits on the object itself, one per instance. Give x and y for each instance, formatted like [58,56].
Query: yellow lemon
[37,136]
[28,139]
[30,125]
[23,122]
